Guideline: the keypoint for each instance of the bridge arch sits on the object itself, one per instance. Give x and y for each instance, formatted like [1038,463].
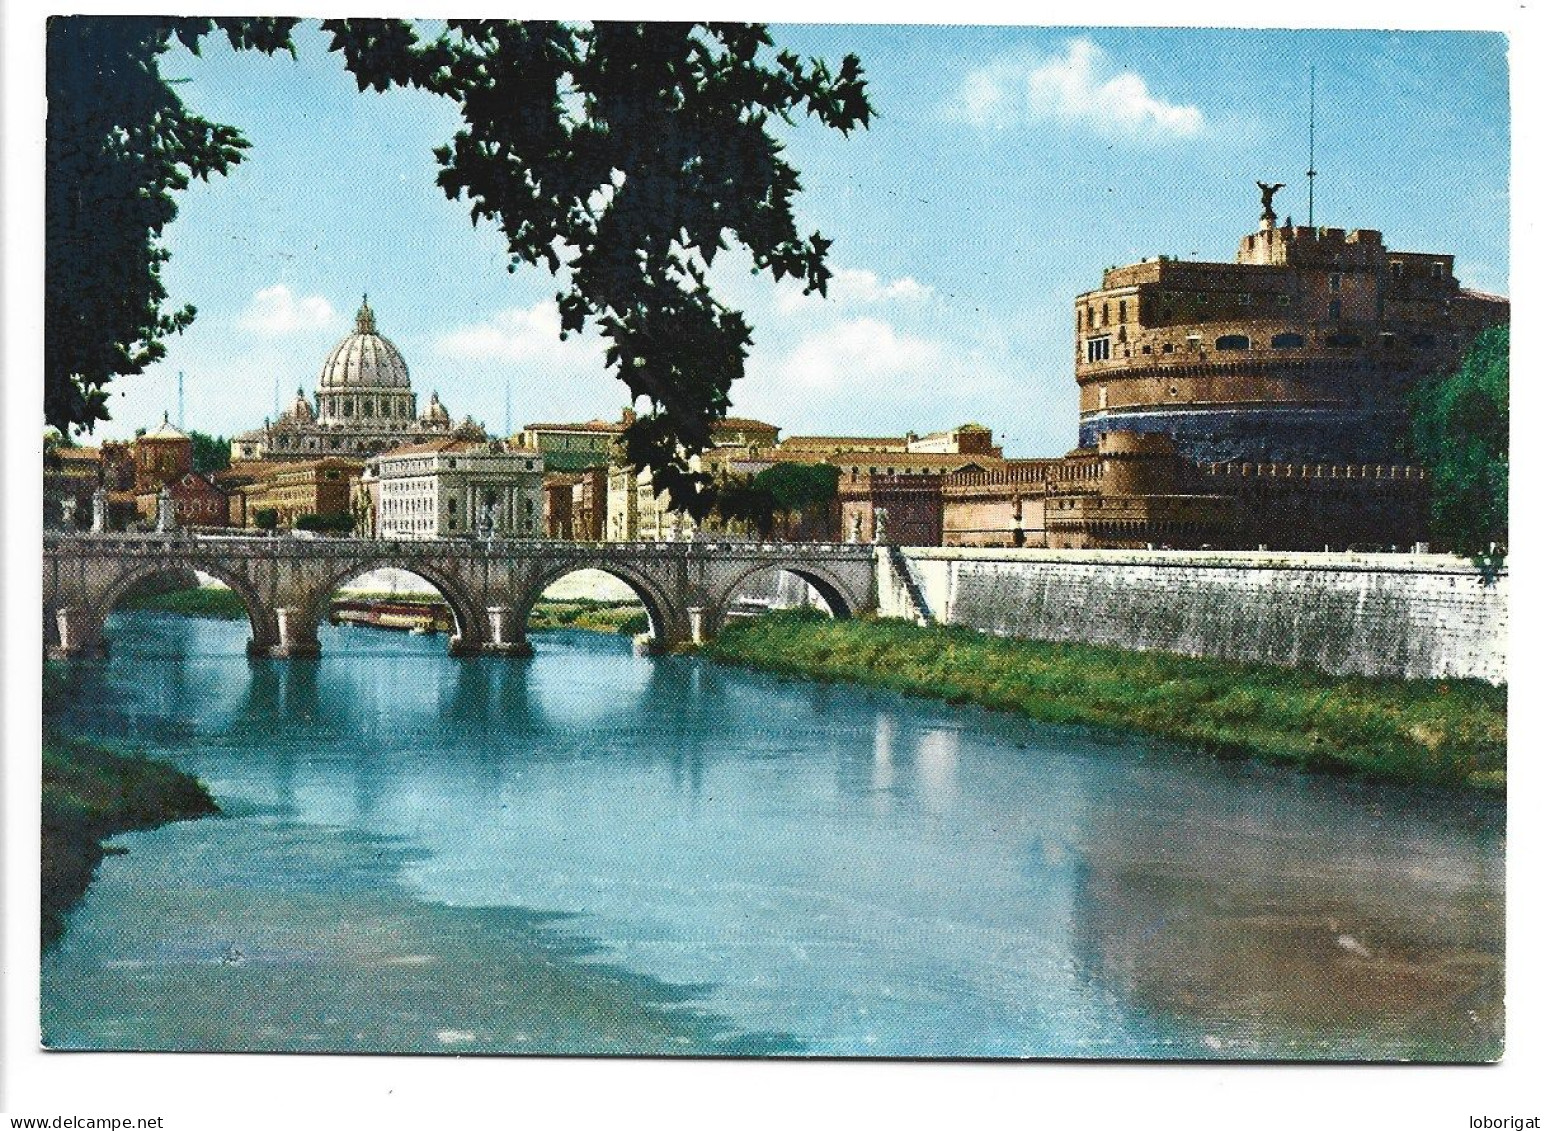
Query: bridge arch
[102,604]
[666,618]
[468,618]
[842,603]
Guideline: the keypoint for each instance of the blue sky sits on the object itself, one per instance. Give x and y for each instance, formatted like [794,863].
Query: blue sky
[1006,169]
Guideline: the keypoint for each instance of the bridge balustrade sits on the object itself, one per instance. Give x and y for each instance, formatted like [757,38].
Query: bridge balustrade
[286,583]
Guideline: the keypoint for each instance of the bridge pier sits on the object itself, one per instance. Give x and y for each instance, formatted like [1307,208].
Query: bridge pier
[298,635]
[80,634]
[699,625]
[507,637]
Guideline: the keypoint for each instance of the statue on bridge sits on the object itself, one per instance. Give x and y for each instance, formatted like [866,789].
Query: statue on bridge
[880,525]
[99,510]
[166,516]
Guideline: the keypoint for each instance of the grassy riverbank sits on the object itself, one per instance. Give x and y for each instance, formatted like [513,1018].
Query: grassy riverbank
[222,604]
[91,793]
[1428,731]
[624,617]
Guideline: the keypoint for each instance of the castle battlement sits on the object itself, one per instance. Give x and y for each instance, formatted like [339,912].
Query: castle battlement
[1315,471]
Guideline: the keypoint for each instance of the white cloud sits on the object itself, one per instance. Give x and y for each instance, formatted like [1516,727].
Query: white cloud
[1080,87]
[851,287]
[276,310]
[519,333]
[860,350]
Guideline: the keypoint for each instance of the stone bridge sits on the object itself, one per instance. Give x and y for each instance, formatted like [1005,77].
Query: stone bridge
[286,584]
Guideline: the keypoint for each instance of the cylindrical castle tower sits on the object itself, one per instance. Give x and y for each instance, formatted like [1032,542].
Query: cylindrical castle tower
[1305,349]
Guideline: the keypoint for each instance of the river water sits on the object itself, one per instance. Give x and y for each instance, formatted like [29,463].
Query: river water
[590,851]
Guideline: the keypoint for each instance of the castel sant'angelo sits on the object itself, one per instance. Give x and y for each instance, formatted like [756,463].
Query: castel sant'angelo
[1303,350]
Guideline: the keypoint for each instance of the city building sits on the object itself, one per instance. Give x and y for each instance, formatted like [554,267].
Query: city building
[289,489]
[161,456]
[1001,505]
[454,489]
[743,432]
[364,404]
[196,502]
[890,507]
[816,448]
[966,439]
[573,447]
[1135,491]
[576,504]
[1303,350]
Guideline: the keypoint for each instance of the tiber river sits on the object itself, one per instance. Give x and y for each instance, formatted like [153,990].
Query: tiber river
[595,852]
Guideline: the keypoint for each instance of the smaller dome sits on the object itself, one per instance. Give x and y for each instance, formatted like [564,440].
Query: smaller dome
[299,411]
[435,412]
[164,431]
[469,430]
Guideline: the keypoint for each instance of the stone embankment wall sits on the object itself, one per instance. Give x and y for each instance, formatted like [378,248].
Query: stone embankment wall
[1414,616]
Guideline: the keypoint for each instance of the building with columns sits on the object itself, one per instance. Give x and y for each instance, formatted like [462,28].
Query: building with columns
[364,404]
[452,488]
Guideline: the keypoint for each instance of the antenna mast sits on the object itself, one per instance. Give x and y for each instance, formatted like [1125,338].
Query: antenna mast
[508,406]
[181,424]
[1311,173]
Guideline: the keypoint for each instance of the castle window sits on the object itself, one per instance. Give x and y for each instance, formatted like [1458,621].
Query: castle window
[1243,300]
[1105,314]
[1098,349]
[1121,310]
[1334,309]
[349,409]
[1173,390]
[1146,349]
[1232,342]
[1287,341]
[1343,341]
[1397,270]
[1437,270]
[1334,283]
[1167,347]
[1283,300]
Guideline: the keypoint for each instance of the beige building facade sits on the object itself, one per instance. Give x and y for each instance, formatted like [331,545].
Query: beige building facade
[454,489]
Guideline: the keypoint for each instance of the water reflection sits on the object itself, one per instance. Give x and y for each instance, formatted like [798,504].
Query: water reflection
[868,874]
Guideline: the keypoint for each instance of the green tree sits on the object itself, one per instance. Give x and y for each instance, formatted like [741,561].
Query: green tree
[119,144]
[326,523]
[266,518]
[211,453]
[1459,434]
[797,486]
[624,157]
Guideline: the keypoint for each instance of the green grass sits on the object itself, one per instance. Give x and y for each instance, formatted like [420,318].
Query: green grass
[91,793]
[624,617]
[1450,732]
[203,602]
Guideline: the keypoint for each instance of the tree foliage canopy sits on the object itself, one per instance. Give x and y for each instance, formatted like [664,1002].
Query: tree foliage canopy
[211,453]
[624,157]
[797,486]
[1459,433]
[119,144]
